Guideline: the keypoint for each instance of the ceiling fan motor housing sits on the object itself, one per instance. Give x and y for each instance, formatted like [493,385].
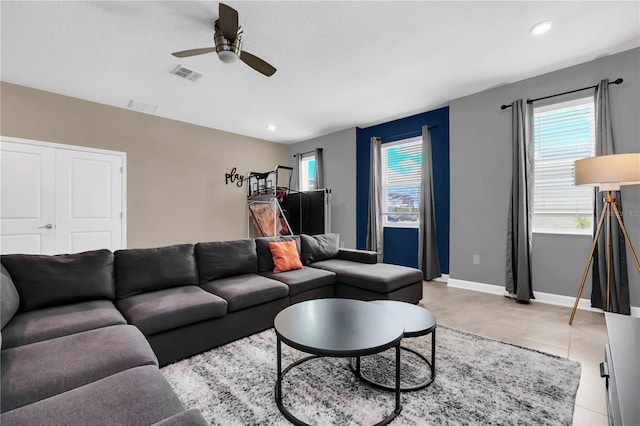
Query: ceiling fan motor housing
[228,51]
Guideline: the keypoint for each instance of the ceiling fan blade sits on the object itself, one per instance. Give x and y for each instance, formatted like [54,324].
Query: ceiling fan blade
[257,63]
[194,52]
[228,22]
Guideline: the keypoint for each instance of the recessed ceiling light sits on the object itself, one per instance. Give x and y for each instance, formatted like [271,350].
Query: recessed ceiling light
[540,28]
[272,127]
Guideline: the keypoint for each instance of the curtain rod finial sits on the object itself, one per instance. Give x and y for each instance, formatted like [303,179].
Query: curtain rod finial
[618,81]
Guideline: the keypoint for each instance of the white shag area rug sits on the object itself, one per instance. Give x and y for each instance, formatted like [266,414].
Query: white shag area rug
[479,381]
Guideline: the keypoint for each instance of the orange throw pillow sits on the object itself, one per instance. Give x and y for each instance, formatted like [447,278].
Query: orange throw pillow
[285,256]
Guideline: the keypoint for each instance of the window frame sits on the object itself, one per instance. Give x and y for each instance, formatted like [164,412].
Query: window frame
[383,159]
[575,101]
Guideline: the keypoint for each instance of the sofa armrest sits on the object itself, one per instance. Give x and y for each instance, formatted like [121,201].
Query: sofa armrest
[360,256]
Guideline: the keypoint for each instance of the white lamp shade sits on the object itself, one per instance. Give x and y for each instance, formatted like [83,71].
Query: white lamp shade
[608,172]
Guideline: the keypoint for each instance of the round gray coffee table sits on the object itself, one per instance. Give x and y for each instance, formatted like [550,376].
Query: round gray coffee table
[337,328]
[417,322]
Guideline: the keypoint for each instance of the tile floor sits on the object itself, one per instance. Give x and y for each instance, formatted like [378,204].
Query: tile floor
[537,326]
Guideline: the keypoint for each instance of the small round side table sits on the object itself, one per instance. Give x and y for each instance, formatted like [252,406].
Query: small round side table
[417,322]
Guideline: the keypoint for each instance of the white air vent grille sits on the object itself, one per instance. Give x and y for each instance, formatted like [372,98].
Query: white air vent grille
[141,106]
[183,72]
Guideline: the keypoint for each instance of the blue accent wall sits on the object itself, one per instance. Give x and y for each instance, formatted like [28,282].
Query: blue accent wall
[401,244]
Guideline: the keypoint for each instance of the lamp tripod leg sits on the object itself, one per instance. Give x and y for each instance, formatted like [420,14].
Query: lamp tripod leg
[626,236]
[586,269]
[608,258]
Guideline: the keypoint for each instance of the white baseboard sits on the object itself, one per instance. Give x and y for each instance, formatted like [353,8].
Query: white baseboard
[540,297]
[472,285]
[444,278]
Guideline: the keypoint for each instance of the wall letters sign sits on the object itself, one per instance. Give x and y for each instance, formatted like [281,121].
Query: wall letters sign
[232,177]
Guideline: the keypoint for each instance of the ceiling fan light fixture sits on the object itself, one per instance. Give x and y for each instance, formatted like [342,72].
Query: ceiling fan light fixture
[227,56]
[227,38]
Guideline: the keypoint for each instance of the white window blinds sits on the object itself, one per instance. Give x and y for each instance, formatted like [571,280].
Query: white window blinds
[401,171]
[563,133]
[307,172]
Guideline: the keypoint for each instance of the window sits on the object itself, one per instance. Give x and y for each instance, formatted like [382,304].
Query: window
[307,172]
[563,132]
[401,170]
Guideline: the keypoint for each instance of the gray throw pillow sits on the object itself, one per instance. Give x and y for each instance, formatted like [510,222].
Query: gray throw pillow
[9,298]
[316,248]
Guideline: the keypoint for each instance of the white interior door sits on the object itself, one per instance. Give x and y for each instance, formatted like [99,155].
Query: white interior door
[89,201]
[60,199]
[27,199]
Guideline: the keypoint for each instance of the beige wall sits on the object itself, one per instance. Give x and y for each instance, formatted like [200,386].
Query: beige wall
[175,171]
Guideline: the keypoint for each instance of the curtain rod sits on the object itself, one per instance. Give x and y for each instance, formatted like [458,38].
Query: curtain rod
[408,133]
[308,152]
[530,101]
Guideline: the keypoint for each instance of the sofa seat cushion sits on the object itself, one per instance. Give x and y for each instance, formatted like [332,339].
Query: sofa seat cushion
[171,308]
[40,370]
[305,279]
[379,277]
[244,291]
[49,323]
[138,396]
[43,281]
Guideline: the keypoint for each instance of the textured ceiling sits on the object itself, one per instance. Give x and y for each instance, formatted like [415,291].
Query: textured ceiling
[340,64]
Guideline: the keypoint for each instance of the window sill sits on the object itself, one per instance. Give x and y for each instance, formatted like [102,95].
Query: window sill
[401,225]
[552,232]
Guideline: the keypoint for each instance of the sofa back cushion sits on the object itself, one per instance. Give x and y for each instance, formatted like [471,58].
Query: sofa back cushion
[226,258]
[143,270]
[44,281]
[265,258]
[9,298]
[316,248]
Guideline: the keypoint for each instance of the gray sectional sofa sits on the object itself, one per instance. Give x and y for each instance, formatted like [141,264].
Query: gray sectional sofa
[83,334]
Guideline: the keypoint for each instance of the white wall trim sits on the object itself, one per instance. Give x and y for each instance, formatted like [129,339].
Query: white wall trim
[540,297]
[63,146]
[472,285]
[443,278]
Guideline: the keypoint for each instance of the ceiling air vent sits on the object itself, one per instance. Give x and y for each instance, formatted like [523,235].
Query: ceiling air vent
[186,73]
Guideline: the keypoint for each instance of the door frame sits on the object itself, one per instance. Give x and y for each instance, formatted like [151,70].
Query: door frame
[120,154]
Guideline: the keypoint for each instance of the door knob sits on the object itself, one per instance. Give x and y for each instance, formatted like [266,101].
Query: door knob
[47,226]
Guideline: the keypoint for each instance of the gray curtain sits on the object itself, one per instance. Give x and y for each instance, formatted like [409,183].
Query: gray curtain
[297,165]
[518,280]
[428,259]
[319,168]
[619,281]
[374,221]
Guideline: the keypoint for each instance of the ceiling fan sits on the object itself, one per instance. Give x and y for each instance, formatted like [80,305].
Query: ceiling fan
[228,43]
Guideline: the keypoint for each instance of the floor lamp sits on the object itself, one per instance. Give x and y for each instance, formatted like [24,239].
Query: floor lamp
[608,173]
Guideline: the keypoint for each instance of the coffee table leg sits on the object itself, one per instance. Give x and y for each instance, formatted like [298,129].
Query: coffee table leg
[433,354]
[398,407]
[358,366]
[279,380]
